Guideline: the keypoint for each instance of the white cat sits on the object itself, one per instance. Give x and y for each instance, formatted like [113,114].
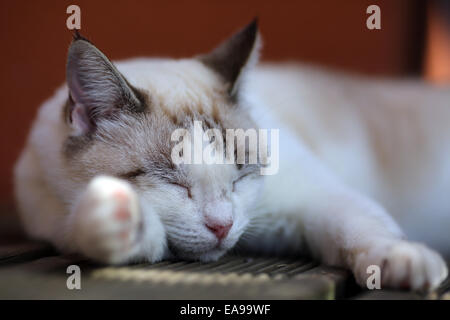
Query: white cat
[96,175]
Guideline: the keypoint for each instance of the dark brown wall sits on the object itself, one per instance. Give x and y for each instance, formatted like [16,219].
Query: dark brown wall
[34,40]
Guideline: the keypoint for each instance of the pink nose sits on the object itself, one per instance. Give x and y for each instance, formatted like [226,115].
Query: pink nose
[220,230]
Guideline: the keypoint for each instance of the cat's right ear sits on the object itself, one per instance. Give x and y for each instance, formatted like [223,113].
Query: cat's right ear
[234,56]
[97,90]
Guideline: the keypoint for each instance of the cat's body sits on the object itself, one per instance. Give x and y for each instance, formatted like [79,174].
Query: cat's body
[346,144]
[384,138]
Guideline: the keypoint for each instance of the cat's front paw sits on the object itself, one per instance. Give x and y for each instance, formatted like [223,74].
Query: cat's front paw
[404,265]
[107,220]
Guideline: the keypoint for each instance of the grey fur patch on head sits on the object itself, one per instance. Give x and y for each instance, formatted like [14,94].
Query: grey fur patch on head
[133,127]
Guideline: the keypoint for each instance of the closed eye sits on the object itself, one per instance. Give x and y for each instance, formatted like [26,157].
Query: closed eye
[188,190]
[133,174]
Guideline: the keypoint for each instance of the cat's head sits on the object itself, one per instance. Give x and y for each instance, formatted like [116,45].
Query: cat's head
[121,124]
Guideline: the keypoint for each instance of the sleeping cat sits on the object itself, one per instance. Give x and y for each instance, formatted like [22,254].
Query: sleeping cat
[97,176]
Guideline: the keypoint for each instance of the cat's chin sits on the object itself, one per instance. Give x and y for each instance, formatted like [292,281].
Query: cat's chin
[208,256]
[211,251]
[213,255]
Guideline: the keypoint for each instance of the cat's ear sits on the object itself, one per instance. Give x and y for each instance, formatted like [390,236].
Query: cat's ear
[97,89]
[234,56]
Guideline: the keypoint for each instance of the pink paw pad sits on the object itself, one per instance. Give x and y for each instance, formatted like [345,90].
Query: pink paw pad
[123,213]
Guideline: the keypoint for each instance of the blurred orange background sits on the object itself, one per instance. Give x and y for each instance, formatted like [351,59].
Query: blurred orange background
[414,41]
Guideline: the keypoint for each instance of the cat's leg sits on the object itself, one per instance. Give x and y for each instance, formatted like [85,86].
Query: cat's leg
[348,229]
[341,227]
[110,223]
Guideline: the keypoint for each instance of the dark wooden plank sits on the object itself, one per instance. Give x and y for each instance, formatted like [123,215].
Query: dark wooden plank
[23,252]
[14,245]
[233,277]
[127,284]
[160,281]
[340,280]
[387,294]
[16,285]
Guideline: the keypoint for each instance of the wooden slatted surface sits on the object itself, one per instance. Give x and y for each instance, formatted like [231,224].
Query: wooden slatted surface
[232,277]
[23,251]
[31,270]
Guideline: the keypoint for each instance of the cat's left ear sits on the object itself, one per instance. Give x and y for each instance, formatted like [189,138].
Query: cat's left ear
[235,56]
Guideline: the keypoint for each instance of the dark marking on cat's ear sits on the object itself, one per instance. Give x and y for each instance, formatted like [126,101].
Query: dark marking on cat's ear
[77,36]
[96,88]
[231,57]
